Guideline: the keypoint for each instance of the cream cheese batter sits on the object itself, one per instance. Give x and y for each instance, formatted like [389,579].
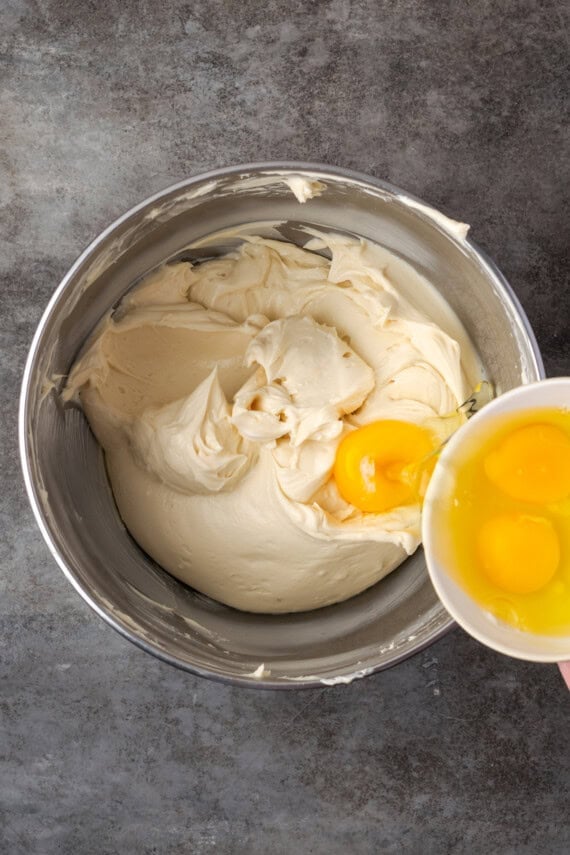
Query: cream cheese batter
[220,392]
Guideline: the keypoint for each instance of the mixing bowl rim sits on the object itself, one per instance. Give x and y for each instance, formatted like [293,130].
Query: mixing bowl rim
[316,170]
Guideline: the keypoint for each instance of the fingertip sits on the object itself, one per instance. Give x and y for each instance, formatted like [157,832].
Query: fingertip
[565,671]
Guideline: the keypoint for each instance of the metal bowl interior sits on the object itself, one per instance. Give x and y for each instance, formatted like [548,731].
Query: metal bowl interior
[64,467]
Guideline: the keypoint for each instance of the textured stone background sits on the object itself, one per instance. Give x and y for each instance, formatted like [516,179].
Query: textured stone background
[102,748]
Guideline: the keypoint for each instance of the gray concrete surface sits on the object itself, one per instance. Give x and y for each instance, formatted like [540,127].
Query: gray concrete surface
[102,748]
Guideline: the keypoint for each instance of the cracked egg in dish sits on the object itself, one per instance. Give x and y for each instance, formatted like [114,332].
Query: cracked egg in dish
[497,523]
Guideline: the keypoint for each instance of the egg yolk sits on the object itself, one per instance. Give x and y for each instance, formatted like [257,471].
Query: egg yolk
[519,553]
[376,465]
[532,464]
[506,524]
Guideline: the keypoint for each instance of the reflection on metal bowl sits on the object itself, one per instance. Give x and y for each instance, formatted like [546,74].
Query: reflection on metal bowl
[64,467]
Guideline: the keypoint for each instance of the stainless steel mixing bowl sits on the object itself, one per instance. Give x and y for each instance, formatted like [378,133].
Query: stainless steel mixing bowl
[64,468]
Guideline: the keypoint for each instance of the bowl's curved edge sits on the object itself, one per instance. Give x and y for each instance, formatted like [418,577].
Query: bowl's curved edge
[249,681]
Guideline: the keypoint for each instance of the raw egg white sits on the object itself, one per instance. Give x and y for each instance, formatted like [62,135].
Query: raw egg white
[509,518]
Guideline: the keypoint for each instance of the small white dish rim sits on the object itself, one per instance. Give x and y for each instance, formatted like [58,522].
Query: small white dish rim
[481,625]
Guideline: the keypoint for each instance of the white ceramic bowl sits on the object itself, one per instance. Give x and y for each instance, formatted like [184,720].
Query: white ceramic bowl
[468,614]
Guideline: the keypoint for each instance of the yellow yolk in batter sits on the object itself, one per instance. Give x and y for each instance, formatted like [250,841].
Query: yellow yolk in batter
[376,465]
